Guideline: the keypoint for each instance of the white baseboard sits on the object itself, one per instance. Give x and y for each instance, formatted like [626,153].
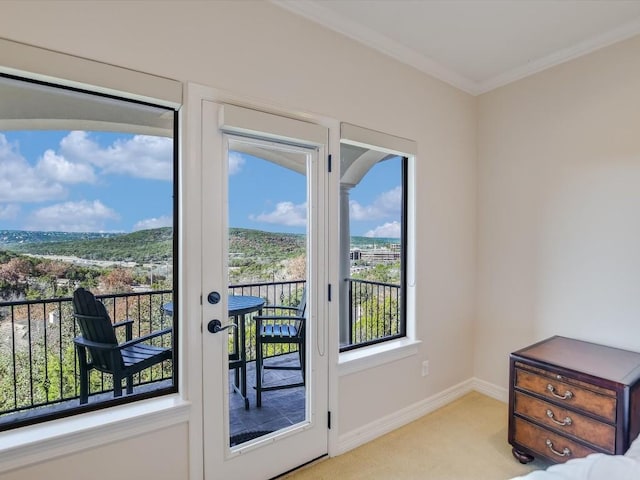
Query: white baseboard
[490,390]
[384,425]
[373,430]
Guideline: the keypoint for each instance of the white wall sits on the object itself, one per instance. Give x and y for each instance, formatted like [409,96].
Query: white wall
[256,49]
[124,457]
[559,208]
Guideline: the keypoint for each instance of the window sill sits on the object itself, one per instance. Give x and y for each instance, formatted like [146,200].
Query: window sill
[369,357]
[35,443]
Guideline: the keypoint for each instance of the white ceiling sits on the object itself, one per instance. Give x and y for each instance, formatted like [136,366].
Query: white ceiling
[477,45]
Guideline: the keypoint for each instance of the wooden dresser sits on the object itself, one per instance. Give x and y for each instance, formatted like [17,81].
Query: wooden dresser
[569,398]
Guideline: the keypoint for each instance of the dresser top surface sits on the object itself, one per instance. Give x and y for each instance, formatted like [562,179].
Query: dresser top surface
[621,366]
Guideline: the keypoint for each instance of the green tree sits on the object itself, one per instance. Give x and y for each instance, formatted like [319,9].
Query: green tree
[52,271]
[378,317]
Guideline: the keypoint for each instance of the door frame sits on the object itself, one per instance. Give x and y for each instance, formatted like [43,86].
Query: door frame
[190,275]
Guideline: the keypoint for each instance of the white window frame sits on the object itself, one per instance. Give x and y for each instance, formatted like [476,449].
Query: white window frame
[24,446]
[367,357]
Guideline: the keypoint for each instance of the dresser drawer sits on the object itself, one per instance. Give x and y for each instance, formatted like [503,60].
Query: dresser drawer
[566,421]
[567,395]
[548,444]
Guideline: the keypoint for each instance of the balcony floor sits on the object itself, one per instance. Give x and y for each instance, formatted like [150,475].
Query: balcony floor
[280,408]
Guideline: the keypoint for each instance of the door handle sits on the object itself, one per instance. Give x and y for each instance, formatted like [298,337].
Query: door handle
[215,326]
[213,298]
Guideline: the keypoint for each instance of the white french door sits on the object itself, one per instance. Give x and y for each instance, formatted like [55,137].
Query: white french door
[284,161]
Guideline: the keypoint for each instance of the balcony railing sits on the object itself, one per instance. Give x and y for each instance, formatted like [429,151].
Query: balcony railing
[375,313]
[286,293]
[38,364]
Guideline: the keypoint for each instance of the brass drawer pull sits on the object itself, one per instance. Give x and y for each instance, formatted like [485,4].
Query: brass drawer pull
[567,395]
[563,423]
[565,451]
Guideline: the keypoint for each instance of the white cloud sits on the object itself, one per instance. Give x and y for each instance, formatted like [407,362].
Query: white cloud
[58,168]
[141,156]
[388,230]
[236,162]
[285,213]
[20,182]
[81,216]
[7,150]
[164,221]
[387,204]
[9,212]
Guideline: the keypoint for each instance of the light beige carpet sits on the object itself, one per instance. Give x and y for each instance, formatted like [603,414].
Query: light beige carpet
[465,440]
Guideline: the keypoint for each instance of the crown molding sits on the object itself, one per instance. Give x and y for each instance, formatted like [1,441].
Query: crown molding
[590,45]
[383,44]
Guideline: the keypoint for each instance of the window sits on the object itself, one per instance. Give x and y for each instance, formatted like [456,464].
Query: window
[87,199]
[374,188]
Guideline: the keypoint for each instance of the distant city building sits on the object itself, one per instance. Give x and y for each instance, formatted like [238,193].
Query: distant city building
[377,254]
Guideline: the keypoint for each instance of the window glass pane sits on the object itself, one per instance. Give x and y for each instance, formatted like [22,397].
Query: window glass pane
[86,200]
[373,202]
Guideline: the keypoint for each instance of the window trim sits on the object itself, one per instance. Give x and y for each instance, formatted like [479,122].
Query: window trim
[28,445]
[366,138]
[371,356]
[72,71]
[125,399]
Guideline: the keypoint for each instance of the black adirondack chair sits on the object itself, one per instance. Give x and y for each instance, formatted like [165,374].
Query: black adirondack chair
[99,342]
[283,325]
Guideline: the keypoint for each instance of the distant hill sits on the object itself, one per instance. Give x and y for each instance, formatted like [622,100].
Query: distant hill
[20,237]
[155,245]
[370,242]
[266,245]
[152,245]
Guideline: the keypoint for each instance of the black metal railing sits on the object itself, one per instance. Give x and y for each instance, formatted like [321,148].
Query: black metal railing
[38,363]
[375,313]
[287,293]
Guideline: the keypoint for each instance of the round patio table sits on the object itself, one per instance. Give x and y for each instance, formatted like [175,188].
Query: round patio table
[238,306]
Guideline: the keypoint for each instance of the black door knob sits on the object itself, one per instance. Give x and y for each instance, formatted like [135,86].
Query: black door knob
[213,298]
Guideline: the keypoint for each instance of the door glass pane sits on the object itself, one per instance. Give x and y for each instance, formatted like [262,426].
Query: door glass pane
[268,222]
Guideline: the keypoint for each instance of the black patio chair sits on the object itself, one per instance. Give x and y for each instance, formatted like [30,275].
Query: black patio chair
[98,340]
[284,325]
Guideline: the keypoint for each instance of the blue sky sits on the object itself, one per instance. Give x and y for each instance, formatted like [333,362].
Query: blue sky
[374,205]
[84,181]
[267,197]
[103,182]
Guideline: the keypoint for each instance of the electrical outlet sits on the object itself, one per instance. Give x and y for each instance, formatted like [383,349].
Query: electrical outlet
[425,368]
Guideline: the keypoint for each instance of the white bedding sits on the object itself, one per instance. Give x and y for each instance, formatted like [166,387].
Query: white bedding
[596,466]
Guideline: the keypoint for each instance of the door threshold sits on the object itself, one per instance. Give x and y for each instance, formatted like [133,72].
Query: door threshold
[308,464]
